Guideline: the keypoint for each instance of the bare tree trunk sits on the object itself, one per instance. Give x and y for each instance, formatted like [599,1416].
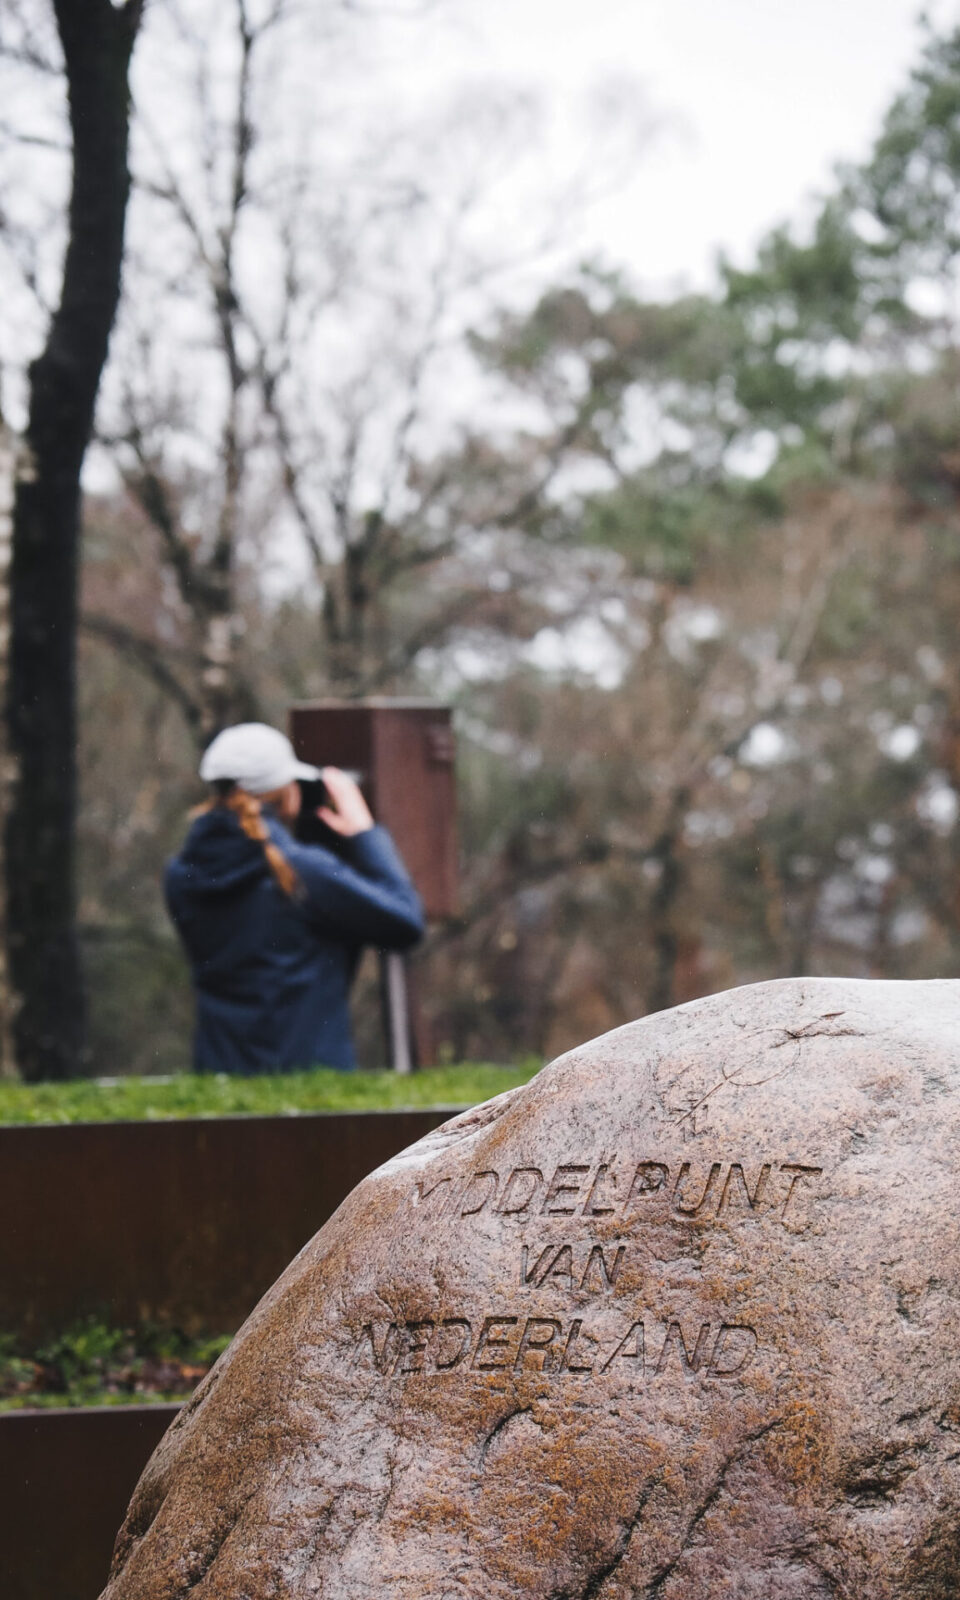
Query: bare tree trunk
[347,602]
[8,459]
[43,951]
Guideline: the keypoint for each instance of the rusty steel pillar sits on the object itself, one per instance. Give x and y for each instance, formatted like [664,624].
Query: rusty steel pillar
[402,753]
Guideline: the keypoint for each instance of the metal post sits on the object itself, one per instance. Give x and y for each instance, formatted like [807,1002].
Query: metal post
[396,1010]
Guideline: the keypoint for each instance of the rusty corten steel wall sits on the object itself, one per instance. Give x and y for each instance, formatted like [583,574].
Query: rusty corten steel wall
[404,751]
[65,1480]
[186,1222]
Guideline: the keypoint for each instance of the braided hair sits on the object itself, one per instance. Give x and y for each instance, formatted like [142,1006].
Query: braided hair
[248,810]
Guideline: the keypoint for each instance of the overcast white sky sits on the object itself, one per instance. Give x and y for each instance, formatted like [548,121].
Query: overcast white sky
[761,96]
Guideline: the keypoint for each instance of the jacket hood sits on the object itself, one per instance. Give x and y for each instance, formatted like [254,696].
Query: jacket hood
[217,857]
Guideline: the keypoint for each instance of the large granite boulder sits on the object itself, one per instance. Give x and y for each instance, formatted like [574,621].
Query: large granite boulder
[679,1320]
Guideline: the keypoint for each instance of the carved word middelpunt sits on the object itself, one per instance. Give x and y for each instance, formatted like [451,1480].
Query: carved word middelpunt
[625,1191]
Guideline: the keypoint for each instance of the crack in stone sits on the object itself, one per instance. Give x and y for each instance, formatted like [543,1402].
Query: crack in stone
[790,1036]
[812,1030]
[215,1549]
[497,1430]
[654,1589]
[391,1457]
[807,1560]
[597,1580]
[598,1577]
[212,1554]
[311,1550]
[878,1478]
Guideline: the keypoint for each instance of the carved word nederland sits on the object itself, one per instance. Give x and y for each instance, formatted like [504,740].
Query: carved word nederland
[551,1345]
[626,1192]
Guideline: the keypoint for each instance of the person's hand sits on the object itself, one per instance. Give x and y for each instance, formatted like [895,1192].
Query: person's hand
[348,814]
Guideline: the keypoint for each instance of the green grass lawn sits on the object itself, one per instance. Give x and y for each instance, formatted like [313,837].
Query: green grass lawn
[142,1099]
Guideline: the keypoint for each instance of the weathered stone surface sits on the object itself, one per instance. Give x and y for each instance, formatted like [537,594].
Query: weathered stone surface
[680,1320]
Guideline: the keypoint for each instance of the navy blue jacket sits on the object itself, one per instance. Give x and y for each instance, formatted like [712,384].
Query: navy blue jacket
[272,972]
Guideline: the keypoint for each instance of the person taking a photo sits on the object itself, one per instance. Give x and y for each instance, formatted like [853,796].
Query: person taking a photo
[273,928]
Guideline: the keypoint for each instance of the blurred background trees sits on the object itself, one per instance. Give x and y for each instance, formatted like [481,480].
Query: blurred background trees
[689,568]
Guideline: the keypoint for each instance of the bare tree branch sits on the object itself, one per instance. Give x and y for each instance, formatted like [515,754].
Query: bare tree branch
[21,250]
[36,141]
[437,627]
[151,658]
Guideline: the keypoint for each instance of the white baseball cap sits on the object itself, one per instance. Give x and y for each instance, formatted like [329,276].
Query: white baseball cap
[254,757]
